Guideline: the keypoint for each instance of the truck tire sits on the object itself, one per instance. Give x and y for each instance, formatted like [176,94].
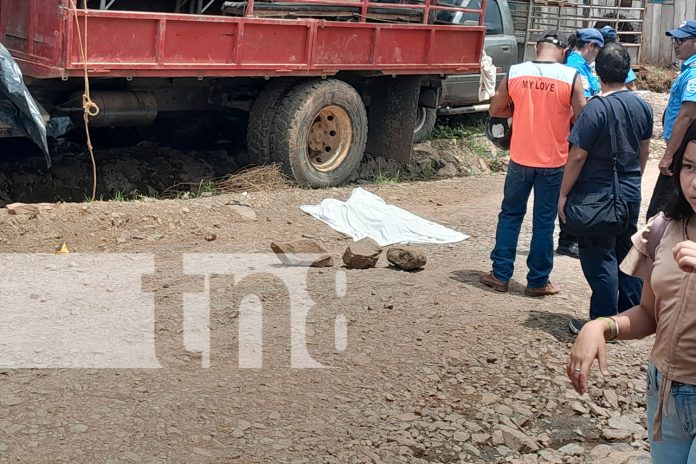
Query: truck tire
[425,124]
[260,120]
[320,132]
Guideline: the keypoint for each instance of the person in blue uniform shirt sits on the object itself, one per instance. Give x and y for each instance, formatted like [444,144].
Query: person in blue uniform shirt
[584,47]
[680,112]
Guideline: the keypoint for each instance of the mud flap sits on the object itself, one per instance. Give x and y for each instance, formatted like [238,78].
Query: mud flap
[392,116]
[18,109]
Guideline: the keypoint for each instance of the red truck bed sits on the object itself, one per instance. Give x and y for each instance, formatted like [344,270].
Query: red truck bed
[42,36]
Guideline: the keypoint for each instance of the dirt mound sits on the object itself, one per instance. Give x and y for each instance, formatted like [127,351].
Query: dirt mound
[149,170]
[656,79]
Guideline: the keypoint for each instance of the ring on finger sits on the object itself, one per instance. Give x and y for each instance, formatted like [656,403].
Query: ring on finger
[578,369]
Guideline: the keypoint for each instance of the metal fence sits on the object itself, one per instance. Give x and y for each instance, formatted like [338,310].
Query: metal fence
[567,16]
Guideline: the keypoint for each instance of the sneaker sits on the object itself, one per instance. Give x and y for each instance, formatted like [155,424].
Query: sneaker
[575,325]
[489,280]
[569,249]
[546,290]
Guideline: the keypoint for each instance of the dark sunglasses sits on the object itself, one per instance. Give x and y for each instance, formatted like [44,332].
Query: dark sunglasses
[681,41]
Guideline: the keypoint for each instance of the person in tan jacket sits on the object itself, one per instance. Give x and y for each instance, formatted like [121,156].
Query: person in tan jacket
[664,255]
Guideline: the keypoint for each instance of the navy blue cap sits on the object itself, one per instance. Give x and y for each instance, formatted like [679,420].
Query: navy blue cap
[591,35]
[609,34]
[686,30]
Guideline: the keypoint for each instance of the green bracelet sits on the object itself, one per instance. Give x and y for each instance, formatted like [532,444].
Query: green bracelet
[613,327]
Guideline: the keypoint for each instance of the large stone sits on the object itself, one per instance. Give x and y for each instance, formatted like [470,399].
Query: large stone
[304,252]
[516,440]
[572,449]
[22,209]
[245,212]
[408,259]
[448,170]
[362,254]
[625,423]
[579,408]
[611,398]
[616,434]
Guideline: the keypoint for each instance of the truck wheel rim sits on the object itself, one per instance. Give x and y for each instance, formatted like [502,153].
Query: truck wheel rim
[329,138]
[420,119]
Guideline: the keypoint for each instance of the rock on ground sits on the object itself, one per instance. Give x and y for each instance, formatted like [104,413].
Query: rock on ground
[406,258]
[362,254]
[304,252]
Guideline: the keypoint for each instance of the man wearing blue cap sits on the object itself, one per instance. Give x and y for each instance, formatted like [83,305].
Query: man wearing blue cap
[680,112]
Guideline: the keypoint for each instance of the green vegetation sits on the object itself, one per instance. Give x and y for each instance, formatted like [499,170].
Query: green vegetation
[119,196]
[205,186]
[460,127]
[393,177]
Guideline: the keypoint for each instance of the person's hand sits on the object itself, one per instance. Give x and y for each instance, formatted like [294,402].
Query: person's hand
[665,164]
[588,346]
[562,200]
[685,255]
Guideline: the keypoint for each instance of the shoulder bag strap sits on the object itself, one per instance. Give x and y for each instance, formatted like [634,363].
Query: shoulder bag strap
[611,122]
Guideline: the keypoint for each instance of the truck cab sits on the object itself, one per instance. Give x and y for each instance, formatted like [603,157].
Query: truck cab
[459,93]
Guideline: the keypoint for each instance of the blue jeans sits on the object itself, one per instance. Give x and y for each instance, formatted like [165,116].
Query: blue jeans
[612,290]
[519,183]
[678,444]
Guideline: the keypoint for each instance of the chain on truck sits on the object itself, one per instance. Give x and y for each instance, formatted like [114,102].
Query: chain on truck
[322,81]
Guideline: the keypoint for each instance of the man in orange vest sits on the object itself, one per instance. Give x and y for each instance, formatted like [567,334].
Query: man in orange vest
[543,97]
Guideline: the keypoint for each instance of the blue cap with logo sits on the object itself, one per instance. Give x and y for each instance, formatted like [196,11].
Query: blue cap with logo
[591,35]
[686,30]
[609,34]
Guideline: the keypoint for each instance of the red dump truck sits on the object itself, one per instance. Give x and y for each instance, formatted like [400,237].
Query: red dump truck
[322,81]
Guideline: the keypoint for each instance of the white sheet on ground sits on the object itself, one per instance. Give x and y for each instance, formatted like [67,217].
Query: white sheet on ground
[367,215]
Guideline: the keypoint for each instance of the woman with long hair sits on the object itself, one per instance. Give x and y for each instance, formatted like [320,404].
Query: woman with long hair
[664,255]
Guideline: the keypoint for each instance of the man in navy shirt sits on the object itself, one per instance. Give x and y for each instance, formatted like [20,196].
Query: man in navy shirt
[680,112]
[590,170]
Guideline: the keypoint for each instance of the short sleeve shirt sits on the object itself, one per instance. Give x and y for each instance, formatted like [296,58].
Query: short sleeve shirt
[590,82]
[683,90]
[633,119]
[674,350]
[631,76]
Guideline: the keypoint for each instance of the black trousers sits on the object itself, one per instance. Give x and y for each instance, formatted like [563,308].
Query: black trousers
[564,238]
[665,192]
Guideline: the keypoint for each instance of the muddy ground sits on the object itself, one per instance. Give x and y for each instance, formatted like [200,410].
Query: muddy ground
[436,368]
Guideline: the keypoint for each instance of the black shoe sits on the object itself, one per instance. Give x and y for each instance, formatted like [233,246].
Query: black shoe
[570,249]
[575,325]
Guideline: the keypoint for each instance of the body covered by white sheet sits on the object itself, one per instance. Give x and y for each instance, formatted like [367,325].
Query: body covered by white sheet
[367,215]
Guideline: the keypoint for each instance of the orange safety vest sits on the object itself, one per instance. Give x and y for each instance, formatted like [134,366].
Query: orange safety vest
[542,94]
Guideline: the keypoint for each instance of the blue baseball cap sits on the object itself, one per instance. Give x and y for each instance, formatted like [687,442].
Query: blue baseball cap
[686,30]
[609,34]
[591,35]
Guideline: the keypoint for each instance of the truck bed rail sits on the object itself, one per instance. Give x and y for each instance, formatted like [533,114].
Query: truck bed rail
[42,36]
